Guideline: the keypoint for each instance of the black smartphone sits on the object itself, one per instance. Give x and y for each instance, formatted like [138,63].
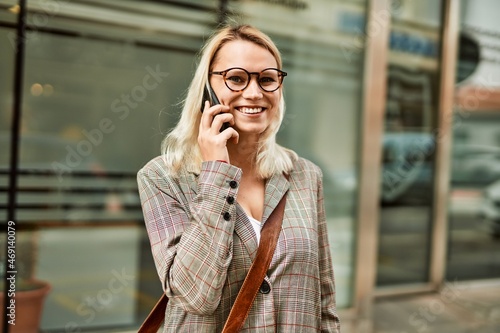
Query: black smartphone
[209,95]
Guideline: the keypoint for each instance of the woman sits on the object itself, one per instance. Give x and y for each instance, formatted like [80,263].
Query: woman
[206,198]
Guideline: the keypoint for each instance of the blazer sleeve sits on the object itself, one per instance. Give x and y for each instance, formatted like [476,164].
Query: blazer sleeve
[191,239]
[329,319]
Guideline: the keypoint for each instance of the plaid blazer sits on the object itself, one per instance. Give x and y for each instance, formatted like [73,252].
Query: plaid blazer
[203,245]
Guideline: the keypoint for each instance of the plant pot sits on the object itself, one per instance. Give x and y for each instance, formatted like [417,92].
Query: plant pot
[29,299]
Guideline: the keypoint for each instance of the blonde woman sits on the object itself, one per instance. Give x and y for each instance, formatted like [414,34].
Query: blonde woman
[207,196]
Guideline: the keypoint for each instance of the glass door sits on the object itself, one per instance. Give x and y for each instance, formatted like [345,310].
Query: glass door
[409,144]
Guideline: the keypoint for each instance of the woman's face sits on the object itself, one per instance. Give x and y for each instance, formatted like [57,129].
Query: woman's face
[253,108]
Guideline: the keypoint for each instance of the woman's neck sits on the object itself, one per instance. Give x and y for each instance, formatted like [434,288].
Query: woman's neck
[243,155]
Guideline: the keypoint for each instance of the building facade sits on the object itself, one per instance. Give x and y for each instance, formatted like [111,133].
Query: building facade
[397,101]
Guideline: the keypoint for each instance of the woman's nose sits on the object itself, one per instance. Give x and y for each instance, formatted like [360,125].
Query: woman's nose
[253,90]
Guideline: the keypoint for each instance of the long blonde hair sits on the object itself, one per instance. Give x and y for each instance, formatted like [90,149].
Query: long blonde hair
[180,147]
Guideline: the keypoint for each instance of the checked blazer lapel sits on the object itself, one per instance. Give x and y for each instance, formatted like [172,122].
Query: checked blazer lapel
[276,187]
[243,228]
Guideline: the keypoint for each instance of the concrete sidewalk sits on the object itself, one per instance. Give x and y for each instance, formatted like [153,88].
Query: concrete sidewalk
[458,308]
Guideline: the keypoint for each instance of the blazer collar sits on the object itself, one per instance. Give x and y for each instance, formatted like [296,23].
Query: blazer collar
[276,187]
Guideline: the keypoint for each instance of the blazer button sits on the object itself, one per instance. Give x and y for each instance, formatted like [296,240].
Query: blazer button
[230,200]
[233,184]
[265,288]
[227,216]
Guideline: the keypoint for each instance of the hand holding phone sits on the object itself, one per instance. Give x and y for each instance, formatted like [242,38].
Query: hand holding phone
[213,146]
[209,95]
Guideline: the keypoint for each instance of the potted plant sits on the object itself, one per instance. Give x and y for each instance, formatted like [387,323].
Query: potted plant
[25,313]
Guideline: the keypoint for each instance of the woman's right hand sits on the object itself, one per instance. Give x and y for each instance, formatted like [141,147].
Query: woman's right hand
[211,140]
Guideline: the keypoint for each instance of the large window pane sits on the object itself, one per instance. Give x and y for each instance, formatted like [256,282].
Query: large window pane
[87,123]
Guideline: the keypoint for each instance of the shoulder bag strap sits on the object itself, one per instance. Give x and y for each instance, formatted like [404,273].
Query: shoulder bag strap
[255,276]
[155,318]
[239,312]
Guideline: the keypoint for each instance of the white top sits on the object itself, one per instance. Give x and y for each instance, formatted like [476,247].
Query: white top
[256,226]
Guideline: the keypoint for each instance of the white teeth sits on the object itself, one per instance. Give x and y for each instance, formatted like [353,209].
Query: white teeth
[250,110]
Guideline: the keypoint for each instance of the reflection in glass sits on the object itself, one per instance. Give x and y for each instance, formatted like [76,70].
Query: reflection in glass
[9,10]
[474,209]
[88,125]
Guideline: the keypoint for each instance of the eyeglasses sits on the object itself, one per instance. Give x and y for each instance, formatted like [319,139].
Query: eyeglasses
[237,79]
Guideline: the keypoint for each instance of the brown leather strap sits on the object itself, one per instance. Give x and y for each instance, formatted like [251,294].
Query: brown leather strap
[155,318]
[255,276]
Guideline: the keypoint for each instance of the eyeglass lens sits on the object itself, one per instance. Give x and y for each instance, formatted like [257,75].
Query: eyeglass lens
[237,79]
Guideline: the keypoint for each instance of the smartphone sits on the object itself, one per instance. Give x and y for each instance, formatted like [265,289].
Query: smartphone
[209,95]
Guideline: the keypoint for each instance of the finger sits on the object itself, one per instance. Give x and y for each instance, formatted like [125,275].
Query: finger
[209,113]
[233,135]
[220,119]
[206,105]
[206,119]
[216,109]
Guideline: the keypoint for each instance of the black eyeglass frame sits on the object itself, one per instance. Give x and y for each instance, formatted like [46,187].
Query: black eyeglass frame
[281,75]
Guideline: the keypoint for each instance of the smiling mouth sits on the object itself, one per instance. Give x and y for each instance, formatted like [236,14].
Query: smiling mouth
[250,110]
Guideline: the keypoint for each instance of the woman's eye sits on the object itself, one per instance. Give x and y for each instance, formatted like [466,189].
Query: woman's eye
[267,80]
[235,79]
